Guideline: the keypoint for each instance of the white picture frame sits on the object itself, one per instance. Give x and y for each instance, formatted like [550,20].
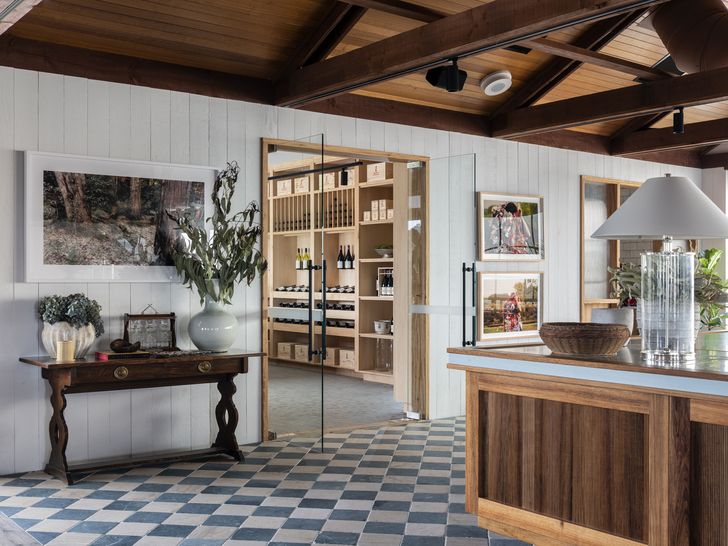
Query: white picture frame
[525,229]
[35,166]
[497,288]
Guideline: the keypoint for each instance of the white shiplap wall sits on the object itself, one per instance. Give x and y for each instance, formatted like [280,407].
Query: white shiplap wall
[66,114]
[509,167]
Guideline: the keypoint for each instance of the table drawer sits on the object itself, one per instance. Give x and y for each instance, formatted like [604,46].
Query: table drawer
[120,372]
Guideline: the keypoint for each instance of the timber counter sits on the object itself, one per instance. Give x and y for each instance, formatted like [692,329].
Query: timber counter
[564,450]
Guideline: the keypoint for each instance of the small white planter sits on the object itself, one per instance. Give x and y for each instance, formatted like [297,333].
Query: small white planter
[82,337]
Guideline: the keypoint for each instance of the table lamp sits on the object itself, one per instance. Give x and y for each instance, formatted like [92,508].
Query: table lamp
[667,208]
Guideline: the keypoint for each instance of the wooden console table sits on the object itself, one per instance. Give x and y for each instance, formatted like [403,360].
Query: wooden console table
[89,375]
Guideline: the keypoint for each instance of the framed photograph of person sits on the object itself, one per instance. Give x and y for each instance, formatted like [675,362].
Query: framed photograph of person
[510,227]
[98,220]
[509,305]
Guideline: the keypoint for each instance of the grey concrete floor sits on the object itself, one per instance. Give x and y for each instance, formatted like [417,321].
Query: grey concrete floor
[294,400]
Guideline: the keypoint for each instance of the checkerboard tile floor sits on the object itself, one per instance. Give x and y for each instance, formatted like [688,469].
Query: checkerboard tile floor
[393,486]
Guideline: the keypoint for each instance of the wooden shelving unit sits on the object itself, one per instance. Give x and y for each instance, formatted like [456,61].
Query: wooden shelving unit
[334,216]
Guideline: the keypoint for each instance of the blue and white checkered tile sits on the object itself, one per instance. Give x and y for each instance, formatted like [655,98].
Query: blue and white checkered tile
[400,486]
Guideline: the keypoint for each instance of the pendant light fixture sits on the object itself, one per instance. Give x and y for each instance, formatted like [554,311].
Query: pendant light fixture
[678,121]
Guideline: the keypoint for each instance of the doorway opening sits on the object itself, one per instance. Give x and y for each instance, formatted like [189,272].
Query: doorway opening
[346,242]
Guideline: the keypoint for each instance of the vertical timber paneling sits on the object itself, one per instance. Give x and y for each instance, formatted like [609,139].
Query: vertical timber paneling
[73,115]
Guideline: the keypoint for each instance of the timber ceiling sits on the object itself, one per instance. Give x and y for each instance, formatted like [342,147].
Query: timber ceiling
[264,41]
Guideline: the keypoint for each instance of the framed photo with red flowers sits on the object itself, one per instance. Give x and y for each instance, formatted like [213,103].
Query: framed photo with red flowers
[510,227]
[509,305]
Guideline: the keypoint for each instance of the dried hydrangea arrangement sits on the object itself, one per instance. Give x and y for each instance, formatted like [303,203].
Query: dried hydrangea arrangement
[76,309]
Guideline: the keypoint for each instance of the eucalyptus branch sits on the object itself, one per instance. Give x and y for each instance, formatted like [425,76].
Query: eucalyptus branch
[231,254]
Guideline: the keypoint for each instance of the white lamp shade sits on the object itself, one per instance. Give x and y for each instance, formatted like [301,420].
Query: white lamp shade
[669,206]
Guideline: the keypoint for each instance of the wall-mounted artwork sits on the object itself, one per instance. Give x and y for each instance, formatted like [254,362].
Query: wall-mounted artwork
[510,227]
[509,305]
[91,219]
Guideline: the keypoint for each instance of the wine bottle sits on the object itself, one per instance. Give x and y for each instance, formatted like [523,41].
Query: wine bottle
[388,285]
[298,259]
[348,259]
[340,258]
[306,259]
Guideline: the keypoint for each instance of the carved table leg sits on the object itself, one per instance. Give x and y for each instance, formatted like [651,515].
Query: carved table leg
[58,429]
[227,418]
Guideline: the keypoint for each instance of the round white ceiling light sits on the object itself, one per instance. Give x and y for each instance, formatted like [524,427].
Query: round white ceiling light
[496,83]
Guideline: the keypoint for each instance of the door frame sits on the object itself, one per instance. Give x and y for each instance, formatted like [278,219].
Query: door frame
[419,381]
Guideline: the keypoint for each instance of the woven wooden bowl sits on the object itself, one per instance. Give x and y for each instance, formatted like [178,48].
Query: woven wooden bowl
[583,338]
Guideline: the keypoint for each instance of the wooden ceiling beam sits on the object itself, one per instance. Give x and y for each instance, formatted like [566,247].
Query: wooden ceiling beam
[84,63]
[593,38]
[638,124]
[649,98]
[12,11]
[390,111]
[715,160]
[703,133]
[376,109]
[335,25]
[489,26]
[588,56]
[401,8]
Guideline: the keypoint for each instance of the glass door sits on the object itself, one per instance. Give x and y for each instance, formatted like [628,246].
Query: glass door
[297,289]
[437,308]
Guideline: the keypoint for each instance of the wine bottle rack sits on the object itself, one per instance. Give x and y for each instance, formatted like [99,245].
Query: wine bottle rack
[320,219]
[291,213]
[336,210]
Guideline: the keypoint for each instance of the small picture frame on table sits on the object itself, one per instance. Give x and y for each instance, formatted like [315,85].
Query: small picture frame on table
[155,332]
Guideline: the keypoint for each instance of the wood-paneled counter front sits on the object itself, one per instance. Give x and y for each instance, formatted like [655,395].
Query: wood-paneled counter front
[564,450]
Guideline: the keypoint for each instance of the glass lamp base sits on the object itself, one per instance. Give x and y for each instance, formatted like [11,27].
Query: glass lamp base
[668,309]
[666,356]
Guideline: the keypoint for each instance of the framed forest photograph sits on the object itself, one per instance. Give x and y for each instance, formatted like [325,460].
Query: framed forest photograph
[91,219]
[510,227]
[509,305]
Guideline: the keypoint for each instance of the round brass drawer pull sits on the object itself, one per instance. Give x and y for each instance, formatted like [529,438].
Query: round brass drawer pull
[204,366]
[122,372]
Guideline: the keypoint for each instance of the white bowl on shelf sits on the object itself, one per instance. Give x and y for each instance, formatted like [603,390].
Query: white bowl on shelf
[385,252]
[383,327]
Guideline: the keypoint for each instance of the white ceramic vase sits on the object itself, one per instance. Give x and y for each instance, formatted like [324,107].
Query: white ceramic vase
[82,337]
[214,328]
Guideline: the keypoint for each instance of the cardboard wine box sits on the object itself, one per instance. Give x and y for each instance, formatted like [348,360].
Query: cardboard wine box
[390,214]
[332,357]
[347,359]
[350,176]
[375,215]
[283,187]
[375,205]
[300,184]
[285,350]
[385,204]
[329,181]
[367,215]
[300,352]
[379,171]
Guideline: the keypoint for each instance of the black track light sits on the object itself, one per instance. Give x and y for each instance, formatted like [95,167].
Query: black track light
[678,121]
[447,77]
